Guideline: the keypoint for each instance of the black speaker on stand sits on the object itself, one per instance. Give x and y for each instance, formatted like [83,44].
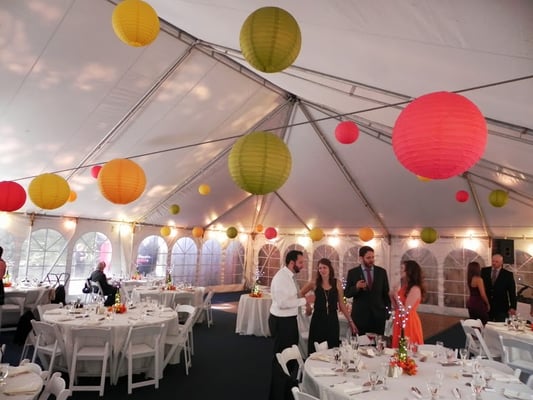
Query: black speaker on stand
[505,247]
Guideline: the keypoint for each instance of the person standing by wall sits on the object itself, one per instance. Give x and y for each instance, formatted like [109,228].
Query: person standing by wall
[501,289]
[368,284]
[478,302]
[3,269]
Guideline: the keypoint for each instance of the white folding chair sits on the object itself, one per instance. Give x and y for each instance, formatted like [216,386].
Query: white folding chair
[298,395]
[143,342]
[90,344]
[42,308]
[55,386]
[14,305]
[470,326]
[33,299]
[483,345]
[178,339]
[512,354]
[49,344]
[206,308]
[189,309]
[288,354]
[530,381]
[321,346]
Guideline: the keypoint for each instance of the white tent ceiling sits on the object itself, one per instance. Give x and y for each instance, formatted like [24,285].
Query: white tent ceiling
[72,96]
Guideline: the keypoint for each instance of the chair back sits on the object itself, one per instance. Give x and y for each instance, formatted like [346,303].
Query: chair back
[301,395]
[55,386]
[148,334]
[97,288]
[472,343]
[46,333]
[517,354]
[288,354]
[91,337]
[42,308]
[321,346]
[483,345]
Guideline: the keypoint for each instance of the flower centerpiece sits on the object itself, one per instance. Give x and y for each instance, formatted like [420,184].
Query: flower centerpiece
[401,358]
[256,289]
[118,307]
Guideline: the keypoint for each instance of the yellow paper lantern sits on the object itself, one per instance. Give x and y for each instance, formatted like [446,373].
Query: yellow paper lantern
[165,230]
[174,209]
[316,234]
[135,22]
[72,196]
[423,179]
[232,232]
[259,228]
[121,181]
[197,232]
[260,162]
[498,198]
[270,39]
[366,234]
[49,191]
[428,235]
[204,189]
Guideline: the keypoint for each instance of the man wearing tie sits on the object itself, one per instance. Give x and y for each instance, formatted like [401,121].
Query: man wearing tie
[368,284]
[501,289]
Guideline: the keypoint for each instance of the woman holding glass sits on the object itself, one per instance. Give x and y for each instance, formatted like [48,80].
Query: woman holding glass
[405,304]
[328,296]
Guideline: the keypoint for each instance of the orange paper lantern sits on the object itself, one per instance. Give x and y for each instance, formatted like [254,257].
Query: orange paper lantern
[49,191]
[259,228]
[72,196]
[121,181]
[316,234]
[366,234]
[197,232]
[204,189]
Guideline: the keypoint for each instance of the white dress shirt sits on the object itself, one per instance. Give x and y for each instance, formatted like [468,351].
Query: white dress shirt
[285,301]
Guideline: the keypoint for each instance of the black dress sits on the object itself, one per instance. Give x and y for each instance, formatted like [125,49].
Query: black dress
[325,321]
[477,309]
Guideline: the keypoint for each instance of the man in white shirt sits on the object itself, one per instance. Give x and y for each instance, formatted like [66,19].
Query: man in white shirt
[286,302]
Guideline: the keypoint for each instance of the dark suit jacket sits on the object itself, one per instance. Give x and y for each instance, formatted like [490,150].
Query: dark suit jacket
[370,308]
[502,295]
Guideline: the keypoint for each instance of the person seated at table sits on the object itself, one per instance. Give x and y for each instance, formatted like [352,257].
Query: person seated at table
[109,290]
[405,304]
[328,295]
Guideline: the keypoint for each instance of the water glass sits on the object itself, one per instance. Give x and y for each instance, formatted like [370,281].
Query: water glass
[373,378]
[440,349]
[380,346]
[464,354]
[4,371]
[478,383]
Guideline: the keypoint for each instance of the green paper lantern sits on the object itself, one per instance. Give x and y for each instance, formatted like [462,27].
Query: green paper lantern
[259,162]
[498,198]
[428,235]
[316,234]
[174,209]
[232,232]
[270,39]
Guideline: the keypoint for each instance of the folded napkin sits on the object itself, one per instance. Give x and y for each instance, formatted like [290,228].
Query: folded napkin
[22,369]
[388,351]
[514,394]
[320,357]
[31,386]
[65,319]
[316,371]
[504,378]
[54,312]
[427,353]
[369,352]
[350,388]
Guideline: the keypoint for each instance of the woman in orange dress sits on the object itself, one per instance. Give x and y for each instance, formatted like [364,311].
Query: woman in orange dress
[405,304]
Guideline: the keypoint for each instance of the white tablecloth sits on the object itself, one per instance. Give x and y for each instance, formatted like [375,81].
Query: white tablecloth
[494,329]
[169,298]
[22,382]
[252,315]
[321,386]
[120,325]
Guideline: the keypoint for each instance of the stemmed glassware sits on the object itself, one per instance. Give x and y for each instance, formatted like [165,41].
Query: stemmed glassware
[383,372]
[478,383]
[433,389]
[4,372]
[373,378]
[345,361]
[487,376]
[464,354]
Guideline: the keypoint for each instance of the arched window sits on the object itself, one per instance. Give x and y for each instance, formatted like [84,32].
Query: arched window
[89,250]
[524,275]
[455,289]
[152,256]
[234,266]
[349,261]
[303,276]
[326,251]
[210,263]
[7,242]
[269,263]
[430,269]
[184,260]
[46,255]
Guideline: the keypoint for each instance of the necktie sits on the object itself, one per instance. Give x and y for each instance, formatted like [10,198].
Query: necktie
[494,275]
[368,277]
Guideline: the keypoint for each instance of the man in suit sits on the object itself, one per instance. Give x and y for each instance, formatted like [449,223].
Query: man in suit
[500,288]
[368,284]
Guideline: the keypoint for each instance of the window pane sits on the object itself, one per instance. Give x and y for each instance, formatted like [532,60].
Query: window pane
[184,256]
[46,255]
[210,264]
[269,263]
[455,290]
[152,256]
[234,266]
[430,269]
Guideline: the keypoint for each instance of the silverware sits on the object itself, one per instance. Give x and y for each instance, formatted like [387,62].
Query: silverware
[416,391]
[456,393]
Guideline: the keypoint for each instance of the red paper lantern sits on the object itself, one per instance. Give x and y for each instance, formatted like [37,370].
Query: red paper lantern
[461,196]
[347,132]
[95,171]
[439,135]
[271,233]
[12,196]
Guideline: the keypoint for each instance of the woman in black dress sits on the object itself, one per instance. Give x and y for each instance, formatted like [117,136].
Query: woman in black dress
[328,296]
[477,303]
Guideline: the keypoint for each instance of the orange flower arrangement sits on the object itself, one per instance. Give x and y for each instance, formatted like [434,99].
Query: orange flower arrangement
[408,365]
[117,308]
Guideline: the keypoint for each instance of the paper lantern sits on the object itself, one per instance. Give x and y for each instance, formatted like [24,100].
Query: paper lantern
[165,231]
[232,232]
[423,179]
[316,234]
[347,132]
[439,135]
[197,232]
[428,235]
[271,233]
[49,191]
[260,162]
[270,39]
[121,181]
[498,198]
[259,228]
[95,171]
[366,234]
[204,189]
[174,209]
[72,196]
[12,196]
[461,196]
[135,22]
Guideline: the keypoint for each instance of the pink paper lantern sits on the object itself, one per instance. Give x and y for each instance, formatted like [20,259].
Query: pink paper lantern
[271,233]
[439,135]
[347,132]
[461,196]
[12,196]
[95,171]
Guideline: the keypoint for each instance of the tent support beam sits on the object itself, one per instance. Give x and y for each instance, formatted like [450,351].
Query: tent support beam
[355,187]
[240,203]
[479,210]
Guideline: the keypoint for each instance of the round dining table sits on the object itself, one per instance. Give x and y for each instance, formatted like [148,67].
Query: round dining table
[142,314]
[193,296]
[22,383]
[323,379]
[252,315]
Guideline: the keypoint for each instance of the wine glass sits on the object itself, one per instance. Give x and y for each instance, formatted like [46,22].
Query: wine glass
[478,383]
[440,349]
[337,356]
[345,362]
[487,375]
[4,372]
[383,372]
[433,389]
[464,354]
[373,378]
